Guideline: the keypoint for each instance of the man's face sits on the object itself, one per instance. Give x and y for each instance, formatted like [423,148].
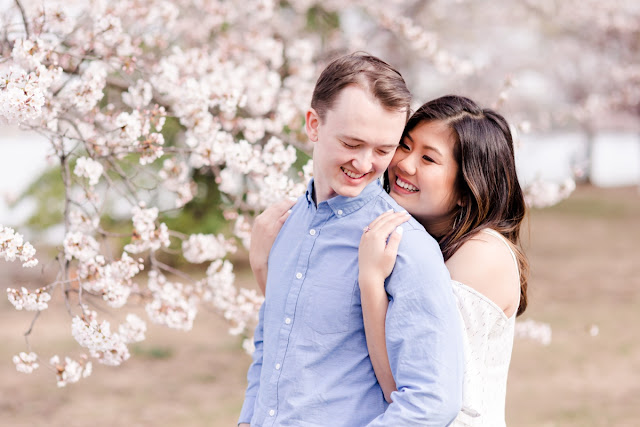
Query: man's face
[353,144]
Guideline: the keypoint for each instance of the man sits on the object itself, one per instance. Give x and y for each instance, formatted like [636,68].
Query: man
[311,366]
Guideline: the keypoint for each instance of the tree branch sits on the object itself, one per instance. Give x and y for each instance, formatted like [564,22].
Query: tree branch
[24,17]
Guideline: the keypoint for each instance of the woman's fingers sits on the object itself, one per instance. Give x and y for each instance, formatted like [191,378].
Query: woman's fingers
[382,216]
[394,241]
[389,223]
[277,210]
[285,210]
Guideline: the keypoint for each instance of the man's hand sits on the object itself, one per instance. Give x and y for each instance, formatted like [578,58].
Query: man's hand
[244,425]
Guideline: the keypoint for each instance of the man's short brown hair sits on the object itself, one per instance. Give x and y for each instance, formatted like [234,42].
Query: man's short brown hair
[372,74]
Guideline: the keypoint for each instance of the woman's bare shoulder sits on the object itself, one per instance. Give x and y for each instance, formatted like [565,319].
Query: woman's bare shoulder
[486,264]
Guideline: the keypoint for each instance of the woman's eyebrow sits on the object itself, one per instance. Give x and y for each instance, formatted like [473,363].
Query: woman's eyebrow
[425,146]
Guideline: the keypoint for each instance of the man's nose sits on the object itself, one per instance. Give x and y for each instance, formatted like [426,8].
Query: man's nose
[363,161]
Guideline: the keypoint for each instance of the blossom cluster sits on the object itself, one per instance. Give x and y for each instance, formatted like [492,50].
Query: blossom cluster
[12,246]
[542,194]
[533,330]
[26,362]
[110,348]
[114,280]
[69,370]
[206,247]
[238,306]
[146,236]
[30,301]
[89,168]
[173,304]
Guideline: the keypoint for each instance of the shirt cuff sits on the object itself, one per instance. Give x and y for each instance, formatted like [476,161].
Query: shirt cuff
[247,410]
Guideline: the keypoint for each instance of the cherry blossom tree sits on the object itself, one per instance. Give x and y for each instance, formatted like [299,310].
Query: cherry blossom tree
[103,80]
[99,80]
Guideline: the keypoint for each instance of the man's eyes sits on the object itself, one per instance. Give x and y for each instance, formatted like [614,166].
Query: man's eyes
[354,147]
[349,145]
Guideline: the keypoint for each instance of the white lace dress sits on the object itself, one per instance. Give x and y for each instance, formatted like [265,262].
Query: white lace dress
[488,341]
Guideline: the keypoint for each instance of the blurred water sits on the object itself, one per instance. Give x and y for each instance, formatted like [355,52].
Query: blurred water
[615,158]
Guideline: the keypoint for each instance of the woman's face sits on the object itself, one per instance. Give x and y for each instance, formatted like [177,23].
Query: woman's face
[422,175]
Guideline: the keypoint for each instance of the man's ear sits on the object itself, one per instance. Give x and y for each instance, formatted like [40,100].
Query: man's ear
[312,121]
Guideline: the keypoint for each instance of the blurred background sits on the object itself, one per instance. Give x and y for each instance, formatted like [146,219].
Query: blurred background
[566,74]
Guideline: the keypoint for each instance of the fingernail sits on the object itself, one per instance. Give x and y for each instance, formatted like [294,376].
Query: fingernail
[289,211]
[390,210]
[399,230]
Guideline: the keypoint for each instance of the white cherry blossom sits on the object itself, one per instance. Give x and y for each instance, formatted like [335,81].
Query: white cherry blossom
[26,362]
[89,168]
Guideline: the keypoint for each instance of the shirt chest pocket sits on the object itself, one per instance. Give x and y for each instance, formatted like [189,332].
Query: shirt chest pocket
[330,304]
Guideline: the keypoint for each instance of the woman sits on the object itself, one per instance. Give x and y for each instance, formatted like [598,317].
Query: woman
[454,171]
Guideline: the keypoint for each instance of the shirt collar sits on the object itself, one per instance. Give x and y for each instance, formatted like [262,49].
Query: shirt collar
[341,205]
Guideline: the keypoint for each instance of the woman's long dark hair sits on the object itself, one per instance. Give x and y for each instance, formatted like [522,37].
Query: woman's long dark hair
[487,184]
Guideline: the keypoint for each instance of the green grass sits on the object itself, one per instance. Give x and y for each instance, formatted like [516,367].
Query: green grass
[152,352]
[595,204]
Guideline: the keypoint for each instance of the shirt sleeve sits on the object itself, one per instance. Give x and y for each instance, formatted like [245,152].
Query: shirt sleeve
[424,338]
[253,375]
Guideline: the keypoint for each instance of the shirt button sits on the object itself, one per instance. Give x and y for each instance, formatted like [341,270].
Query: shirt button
[277,366]
[298,275]
[339,211]
[287,321]
[312,232]
[272,412]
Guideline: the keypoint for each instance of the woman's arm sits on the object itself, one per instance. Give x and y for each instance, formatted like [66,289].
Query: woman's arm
[376,258]
[265,229]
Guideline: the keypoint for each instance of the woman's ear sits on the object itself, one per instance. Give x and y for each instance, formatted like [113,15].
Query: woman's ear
[312,121]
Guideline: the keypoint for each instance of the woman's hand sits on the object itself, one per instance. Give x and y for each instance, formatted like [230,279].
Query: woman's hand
[379,246]
[265,229]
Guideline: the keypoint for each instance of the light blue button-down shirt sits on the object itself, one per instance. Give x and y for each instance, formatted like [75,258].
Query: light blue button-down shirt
[311,366]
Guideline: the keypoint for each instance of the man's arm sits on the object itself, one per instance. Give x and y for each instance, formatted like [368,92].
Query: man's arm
[253,375]
[424,338]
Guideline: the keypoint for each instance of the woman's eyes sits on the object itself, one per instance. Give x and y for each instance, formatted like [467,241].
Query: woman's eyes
[406,147]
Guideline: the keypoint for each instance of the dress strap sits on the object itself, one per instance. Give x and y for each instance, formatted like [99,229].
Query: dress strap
[506,242]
